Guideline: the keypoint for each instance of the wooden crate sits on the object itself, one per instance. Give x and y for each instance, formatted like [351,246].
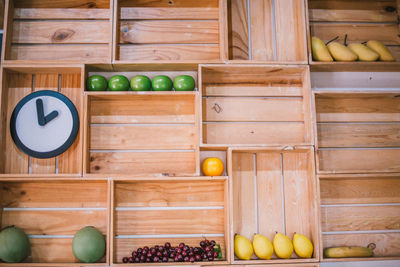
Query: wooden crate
[358,209]
[255,104]
[169,30]
[51,212]
[358,132]
[148,212]
[273,190]
[57,30]
[362,21]
[267,31]
[19,81]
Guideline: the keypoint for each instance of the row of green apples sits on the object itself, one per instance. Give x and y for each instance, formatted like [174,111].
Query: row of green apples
[140,83]
[281,245]
[370,51]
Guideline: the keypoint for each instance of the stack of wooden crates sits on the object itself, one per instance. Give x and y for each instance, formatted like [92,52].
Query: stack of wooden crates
[324,162]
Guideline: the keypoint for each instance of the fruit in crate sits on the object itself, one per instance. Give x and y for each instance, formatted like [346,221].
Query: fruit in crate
[381,49]
[341,52]
[88,245]
[140,83]
[283,246]
[350,252]
[118,83]
[319,50]
[363,52]
[262,247]
[14,244]
[302,246]
[212,167]
[96,83]
[161,83]
[184,83]
[243,247]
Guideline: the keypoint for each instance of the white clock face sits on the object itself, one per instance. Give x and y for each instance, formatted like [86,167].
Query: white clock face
[44,124]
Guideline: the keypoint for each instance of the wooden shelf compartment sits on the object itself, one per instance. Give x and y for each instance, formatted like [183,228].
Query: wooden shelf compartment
[358,209]
[51,212]
[169,30]
[255,105]
[19,81]
[211,152]
[358,132]
[54,31]
[267,31]
[361,21]
[148,212]
[273,190]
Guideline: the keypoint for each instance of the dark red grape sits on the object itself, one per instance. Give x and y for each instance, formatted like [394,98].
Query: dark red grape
[125,259]
[207,242]
[156,247]
[146,248]
[142,258]
[196,250]
[186,259]
[144,252]
[137,260]
[185,248]
[211,259]
[172,255]
[190,254]
[159,254]
[204,256]
[215,254]
[164,259]
[191,259]
[153,251]
[167,245]
[134,254]
[212,243]
[176,259]
[148,259]
[181,245]
[197,257]
[139,251]
[165,253]
[161,248]
[207,249]
[156,259]
[149,255]
[131,260]
[180,257]
[202,244]
[184,253]
[210,254]
[179,251]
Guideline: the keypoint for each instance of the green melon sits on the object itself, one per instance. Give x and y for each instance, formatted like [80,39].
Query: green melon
[88,245]
[14,244]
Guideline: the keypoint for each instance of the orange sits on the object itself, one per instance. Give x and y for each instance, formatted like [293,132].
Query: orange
[212,167]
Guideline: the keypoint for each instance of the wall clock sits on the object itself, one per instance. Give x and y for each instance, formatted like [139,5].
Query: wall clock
[44,124]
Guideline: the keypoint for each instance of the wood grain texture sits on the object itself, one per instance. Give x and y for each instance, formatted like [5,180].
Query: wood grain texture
[166,13]
[251,90]
[93,4]
[167,3]
[350,4]
[61,13]
[238,33]
[343,15]
[51,250]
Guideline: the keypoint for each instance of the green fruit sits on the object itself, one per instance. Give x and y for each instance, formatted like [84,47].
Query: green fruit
[14,244]
[140,83]
[118,83]
[96,83]
[162,83]
[184,83]
[88,245]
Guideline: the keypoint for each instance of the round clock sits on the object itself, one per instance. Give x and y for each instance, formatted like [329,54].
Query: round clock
[44,124]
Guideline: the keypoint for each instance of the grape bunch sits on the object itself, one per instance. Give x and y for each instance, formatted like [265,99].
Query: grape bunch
[208,250]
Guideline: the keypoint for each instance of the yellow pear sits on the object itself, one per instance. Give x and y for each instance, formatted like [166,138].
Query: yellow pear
[319,50]
[381,49]
[283,246]
[262,247]
[243,247]
[302,246]
[363,52]
[341,53]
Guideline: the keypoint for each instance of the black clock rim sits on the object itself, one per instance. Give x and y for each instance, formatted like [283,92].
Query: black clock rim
[67,144]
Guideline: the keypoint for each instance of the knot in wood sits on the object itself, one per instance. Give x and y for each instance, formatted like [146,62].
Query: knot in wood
[62,35]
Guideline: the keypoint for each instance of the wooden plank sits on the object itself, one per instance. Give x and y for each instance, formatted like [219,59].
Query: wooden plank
[61,13]
[169,4]
[18,86]
[142,137]
[261,29]
[144,109]
[386,33]
[353,160]
[81,53]
[244,210]
[165,163]
[253,133]
[360,218]
[238,30]
[269,193]
[290,33]
[44,82]
[165,13]
[55,222]
[358,135]
[251,90]
[169,32]
[337,15]
[386,244]
[82,4]
[71,160]
[72,32]
[350,4]
[169,194]
[252,109]
[373,190]
[169,222]
[168,52]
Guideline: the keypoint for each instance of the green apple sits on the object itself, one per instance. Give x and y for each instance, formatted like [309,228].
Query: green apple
[184,83]
[162,83]
[118,83]
[140,83]
[96,83]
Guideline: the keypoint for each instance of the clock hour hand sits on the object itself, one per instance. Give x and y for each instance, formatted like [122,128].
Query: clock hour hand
[40,112]
[51,116]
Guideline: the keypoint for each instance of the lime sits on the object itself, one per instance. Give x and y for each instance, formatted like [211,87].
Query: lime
[96,83]
[118,83]
[162,83]
[184,83]
[140,83]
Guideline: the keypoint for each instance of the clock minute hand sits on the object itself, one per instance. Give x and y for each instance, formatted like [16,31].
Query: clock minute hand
[40,112]
[51,116]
